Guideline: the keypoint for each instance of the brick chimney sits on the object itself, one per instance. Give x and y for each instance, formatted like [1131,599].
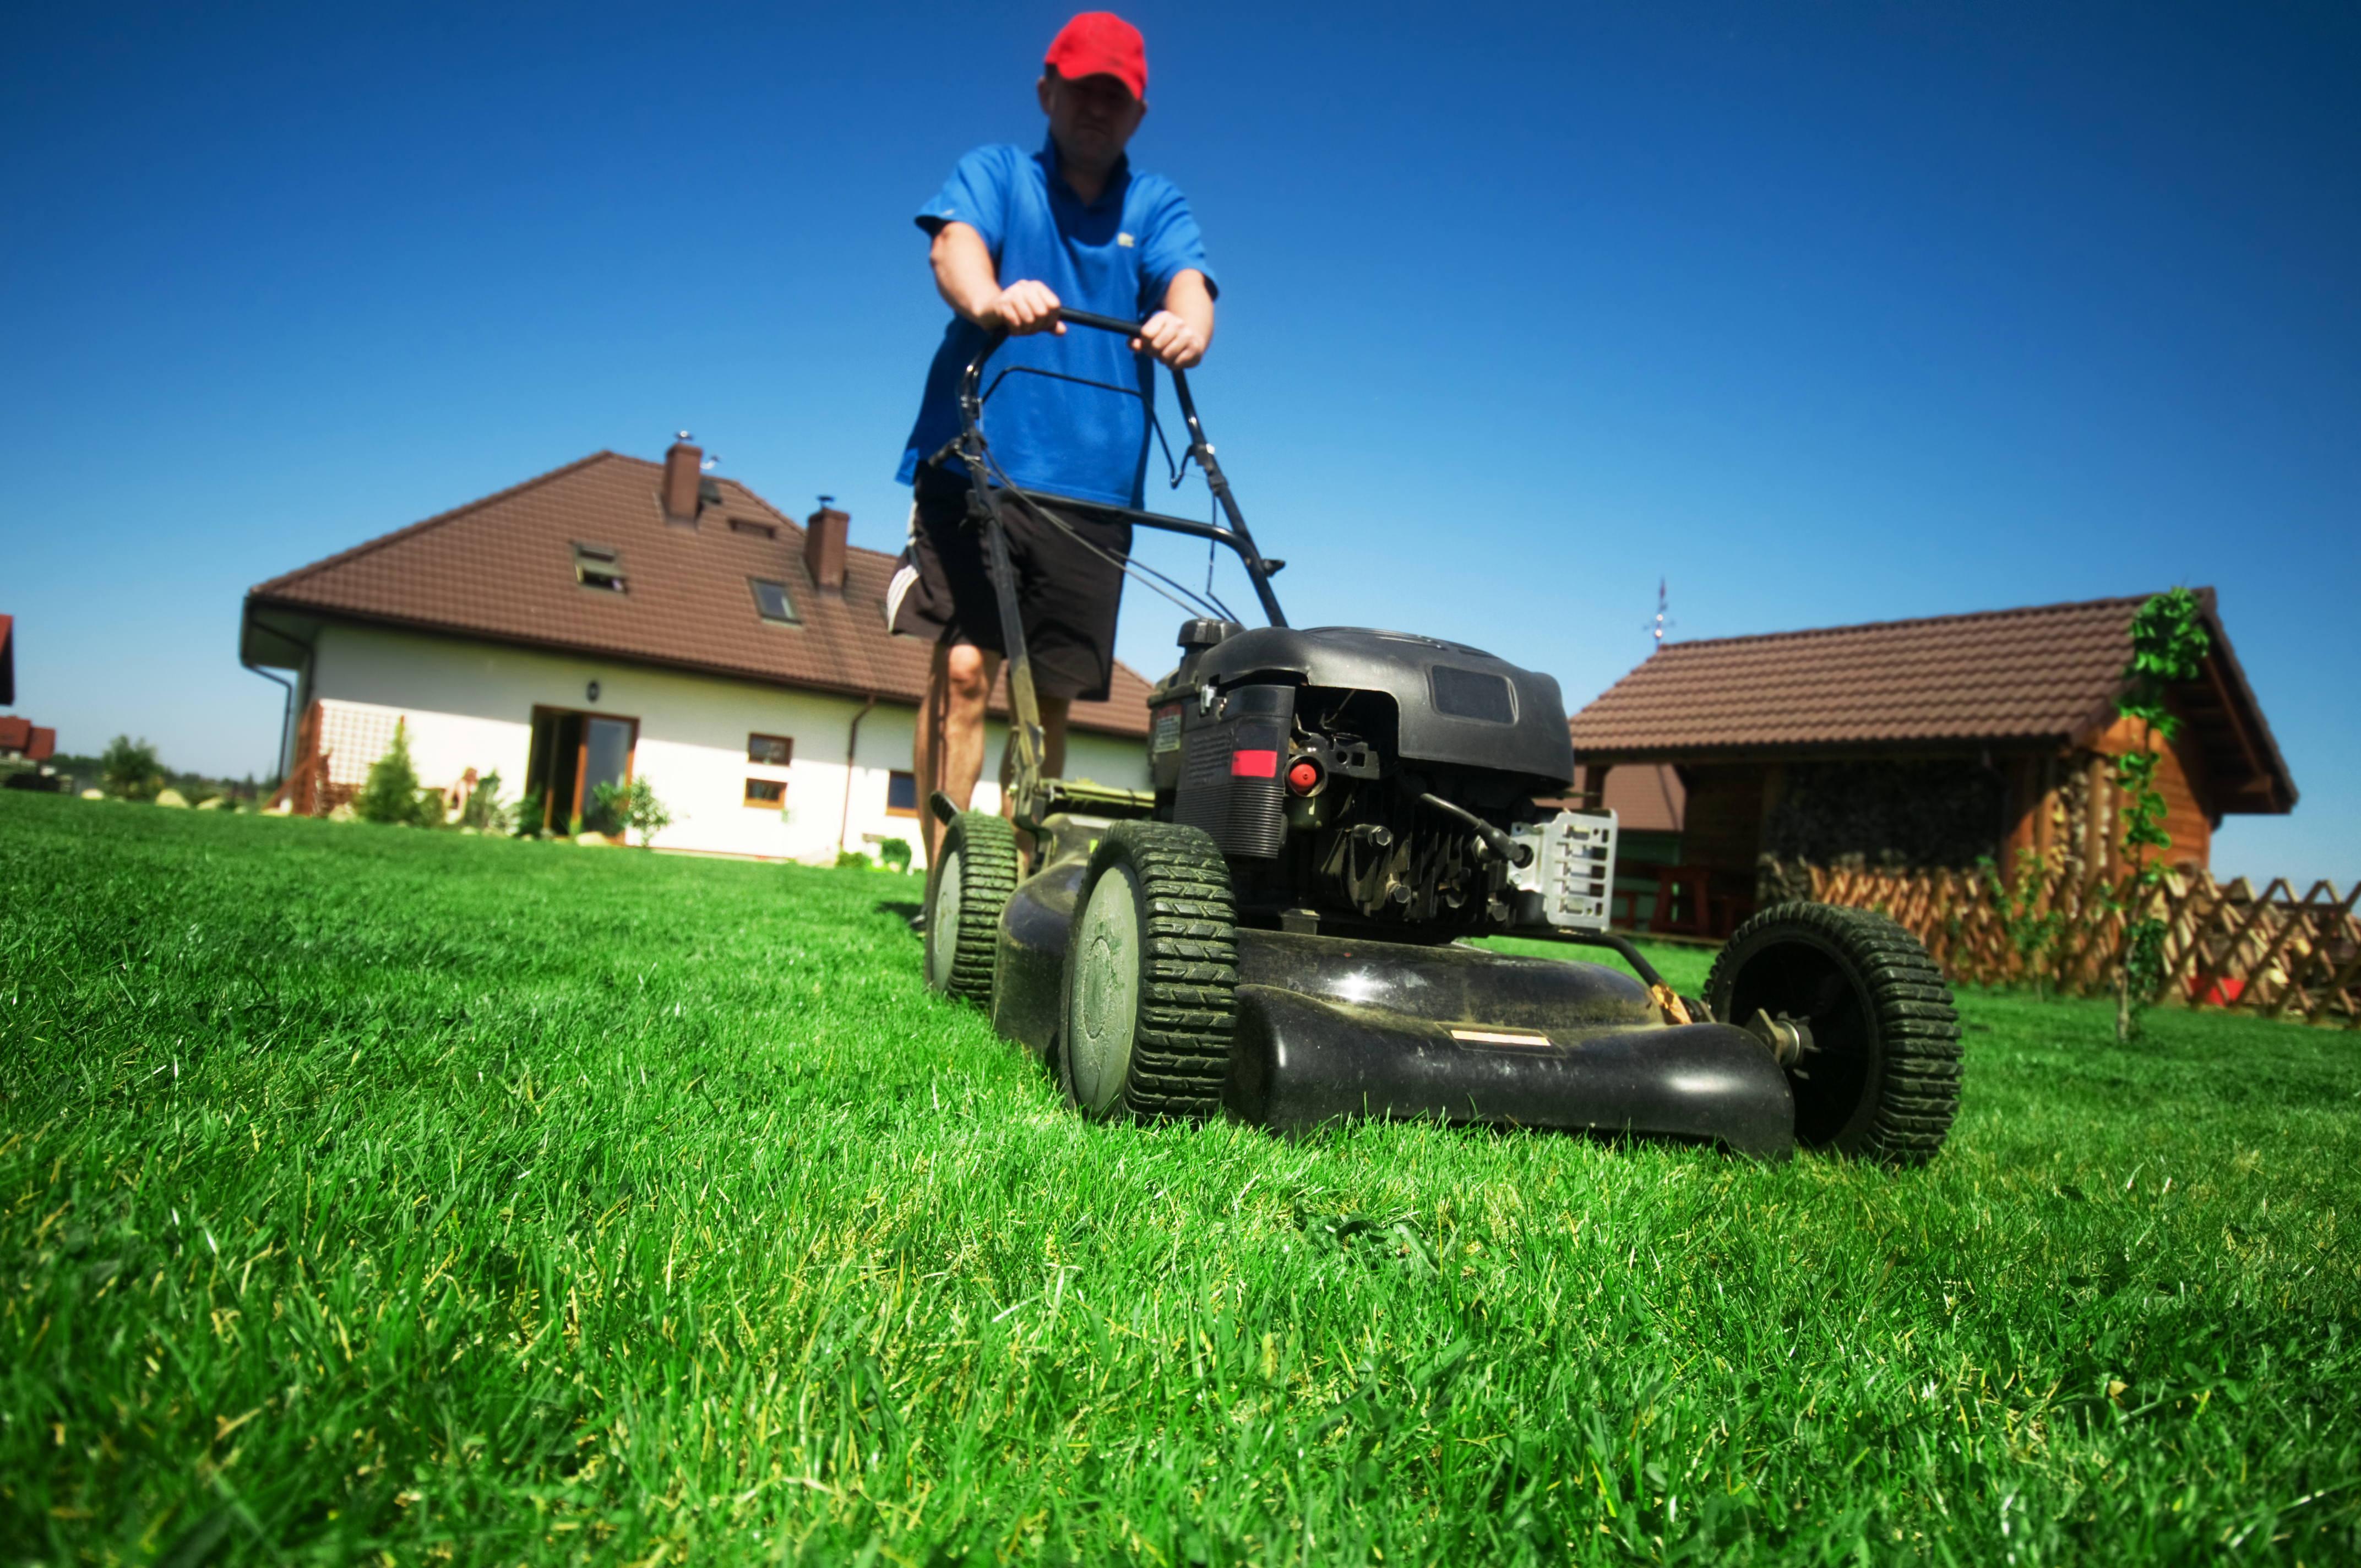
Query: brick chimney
[680,478]
[824,546]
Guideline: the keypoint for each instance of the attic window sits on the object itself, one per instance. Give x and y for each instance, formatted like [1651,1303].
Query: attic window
[747,525]
[598,566]
[771,601]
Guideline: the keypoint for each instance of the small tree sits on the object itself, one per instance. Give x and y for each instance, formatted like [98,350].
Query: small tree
[633,804]
[391,794]
[130,769]
[2168,641]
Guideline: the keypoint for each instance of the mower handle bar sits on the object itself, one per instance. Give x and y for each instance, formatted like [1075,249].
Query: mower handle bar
[1240,541]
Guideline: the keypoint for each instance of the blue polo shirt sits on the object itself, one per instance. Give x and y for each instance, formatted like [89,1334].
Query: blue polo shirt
[1116,257]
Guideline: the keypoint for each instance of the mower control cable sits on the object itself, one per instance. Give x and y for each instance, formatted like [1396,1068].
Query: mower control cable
[1499,843]
[1675,1010]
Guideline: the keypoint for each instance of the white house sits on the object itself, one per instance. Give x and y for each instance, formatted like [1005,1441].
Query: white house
[618,618]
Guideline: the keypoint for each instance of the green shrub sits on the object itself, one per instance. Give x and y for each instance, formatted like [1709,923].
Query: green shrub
[848,859]
[628,806]
[485,810]
[391,794]
[896,853]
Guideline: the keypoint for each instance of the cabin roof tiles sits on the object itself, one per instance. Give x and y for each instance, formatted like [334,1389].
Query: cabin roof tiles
[2044,676]
[503,568]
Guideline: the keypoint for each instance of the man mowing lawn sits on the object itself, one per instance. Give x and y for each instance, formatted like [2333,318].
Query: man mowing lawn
[1015,236]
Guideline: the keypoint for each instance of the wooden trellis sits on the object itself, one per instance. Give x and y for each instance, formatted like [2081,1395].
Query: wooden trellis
[2270,953]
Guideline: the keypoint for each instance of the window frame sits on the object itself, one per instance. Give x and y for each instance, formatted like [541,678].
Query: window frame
[602,562]
[755,585]
[893,810]
[752,803]
[787,751]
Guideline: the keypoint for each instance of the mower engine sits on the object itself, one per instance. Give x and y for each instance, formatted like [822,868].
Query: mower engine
[1376,781]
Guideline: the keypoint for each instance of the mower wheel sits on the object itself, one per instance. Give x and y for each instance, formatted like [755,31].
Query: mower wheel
[1150,971]
[1879,1076]
[975,870]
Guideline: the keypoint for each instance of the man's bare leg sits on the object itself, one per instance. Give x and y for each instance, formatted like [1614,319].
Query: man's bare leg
[957,684]
[926,755]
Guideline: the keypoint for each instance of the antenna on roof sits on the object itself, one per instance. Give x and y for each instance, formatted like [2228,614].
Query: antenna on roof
[682,435]
[826,502]
[1660,623]
[711,464]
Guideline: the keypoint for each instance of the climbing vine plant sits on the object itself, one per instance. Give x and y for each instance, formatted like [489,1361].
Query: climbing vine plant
[2168,643]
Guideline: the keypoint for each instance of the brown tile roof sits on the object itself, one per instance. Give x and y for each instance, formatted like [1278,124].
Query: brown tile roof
[502,569]
[2047,674]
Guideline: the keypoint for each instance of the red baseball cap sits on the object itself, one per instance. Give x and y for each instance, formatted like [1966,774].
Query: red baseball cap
[1099,43]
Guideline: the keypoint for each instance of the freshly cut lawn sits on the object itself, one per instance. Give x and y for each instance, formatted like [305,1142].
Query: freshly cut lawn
[370,1191]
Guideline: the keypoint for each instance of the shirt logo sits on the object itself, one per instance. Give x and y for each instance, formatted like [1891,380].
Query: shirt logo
[1124,240]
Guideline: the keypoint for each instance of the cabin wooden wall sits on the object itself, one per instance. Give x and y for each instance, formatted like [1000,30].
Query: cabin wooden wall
[1722,825]
[2066,807]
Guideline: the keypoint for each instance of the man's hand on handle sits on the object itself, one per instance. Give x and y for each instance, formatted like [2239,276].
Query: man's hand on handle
[1171,339]
[1025,307]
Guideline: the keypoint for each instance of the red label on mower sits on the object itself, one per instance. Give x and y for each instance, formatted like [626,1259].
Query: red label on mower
[1254,764]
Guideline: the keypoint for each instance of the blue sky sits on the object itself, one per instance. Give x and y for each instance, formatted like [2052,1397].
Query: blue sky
[1828,312]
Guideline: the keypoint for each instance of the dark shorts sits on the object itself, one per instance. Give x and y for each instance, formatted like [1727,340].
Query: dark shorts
[1067,594]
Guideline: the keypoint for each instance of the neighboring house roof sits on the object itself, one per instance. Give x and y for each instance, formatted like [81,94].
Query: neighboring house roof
[503,568]
[2049,674]
[21,735]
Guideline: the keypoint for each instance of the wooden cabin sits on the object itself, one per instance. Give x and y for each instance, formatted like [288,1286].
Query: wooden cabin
[1916,743]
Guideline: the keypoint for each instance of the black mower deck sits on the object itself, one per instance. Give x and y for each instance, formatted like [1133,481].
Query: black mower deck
[1333,1027]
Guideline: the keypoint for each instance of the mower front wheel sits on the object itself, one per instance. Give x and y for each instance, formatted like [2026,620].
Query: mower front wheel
[1151,969]
[1878,1071]
[975,872]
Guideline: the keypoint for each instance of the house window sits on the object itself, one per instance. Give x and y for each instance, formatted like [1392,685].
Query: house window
[771,599]
[772,750]
[901,795]
[748,525]
[598,566]
[770,794]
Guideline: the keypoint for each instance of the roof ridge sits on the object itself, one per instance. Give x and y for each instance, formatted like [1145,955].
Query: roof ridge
[2019,611]
[411,531]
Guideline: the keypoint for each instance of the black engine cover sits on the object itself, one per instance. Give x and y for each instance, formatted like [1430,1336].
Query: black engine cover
[1231,763]
[1458,705]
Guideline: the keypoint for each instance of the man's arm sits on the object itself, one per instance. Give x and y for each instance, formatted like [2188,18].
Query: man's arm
[970,284]
[1179,334]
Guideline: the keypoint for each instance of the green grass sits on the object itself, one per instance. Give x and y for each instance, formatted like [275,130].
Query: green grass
[363,1190]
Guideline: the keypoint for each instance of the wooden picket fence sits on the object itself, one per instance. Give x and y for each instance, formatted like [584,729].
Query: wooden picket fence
[2270,953]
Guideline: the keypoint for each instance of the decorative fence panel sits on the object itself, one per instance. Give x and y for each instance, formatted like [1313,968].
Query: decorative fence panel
[2270,953]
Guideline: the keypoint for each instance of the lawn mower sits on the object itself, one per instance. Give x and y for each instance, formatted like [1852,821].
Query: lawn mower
[1283,927]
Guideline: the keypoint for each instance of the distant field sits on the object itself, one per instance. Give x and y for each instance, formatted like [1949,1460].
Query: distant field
[369,1190]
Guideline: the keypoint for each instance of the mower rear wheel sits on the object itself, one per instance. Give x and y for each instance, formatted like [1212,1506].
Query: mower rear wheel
[975,870]
[1880,1078]
[1151,969]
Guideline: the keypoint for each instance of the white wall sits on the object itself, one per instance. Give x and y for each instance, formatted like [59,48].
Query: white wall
[470,705]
